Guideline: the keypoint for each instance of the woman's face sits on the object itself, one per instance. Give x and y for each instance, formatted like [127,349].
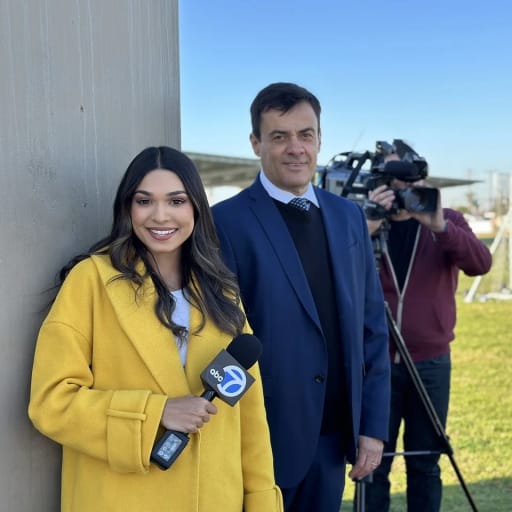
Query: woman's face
[162,214]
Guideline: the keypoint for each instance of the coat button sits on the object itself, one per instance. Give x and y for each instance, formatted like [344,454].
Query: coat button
[319,379]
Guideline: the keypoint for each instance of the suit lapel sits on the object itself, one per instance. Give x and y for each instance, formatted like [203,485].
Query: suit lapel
[339,240]
[282,243]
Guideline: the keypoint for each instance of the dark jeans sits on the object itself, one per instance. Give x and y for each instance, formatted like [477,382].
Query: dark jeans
[424,486]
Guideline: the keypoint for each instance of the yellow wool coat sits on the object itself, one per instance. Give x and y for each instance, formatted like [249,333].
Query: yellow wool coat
[104,367]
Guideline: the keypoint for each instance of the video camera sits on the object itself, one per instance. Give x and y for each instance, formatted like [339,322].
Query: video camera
[347,174]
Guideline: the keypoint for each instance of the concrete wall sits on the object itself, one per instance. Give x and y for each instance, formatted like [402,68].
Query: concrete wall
[84,85]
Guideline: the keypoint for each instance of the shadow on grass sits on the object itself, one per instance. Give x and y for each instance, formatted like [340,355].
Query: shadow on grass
[493,495]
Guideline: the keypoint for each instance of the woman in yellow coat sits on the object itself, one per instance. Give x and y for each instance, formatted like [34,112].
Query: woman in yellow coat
[119,357]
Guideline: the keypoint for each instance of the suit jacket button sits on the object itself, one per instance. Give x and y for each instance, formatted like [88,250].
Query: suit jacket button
[319,379]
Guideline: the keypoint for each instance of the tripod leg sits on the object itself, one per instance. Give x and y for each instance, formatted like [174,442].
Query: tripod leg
[360,490]
[360,501]
[425,399]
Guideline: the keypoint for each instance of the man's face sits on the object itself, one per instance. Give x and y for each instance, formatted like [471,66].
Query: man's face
[288,147]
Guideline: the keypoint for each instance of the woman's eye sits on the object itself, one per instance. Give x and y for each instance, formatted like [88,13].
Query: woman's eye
[142,202]
[177,201]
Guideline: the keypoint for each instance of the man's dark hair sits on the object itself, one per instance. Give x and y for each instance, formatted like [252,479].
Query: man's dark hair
[281,96]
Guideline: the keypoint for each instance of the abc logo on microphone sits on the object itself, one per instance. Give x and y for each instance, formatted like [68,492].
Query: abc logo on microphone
[227,378]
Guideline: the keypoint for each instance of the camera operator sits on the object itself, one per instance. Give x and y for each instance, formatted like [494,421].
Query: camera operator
[419,270]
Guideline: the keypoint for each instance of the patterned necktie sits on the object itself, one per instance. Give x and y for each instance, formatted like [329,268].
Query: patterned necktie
[301,203]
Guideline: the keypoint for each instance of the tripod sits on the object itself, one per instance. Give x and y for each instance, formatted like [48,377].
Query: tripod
[396,337]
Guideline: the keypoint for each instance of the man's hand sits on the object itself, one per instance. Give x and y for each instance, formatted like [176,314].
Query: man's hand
[434,221]
[369,455]
[384,197]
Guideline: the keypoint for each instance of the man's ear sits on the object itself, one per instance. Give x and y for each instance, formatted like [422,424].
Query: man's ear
[319,139]
[255,143]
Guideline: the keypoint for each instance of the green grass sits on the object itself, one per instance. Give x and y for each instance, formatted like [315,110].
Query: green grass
[480,417]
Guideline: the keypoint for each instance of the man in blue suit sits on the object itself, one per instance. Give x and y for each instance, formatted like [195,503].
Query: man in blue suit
[312,295]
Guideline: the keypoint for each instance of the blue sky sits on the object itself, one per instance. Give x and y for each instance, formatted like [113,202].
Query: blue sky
[435,73]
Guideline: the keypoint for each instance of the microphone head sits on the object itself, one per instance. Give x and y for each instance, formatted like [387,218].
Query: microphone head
[246,349]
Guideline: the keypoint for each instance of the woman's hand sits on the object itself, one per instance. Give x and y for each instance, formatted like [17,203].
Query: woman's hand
[187,413]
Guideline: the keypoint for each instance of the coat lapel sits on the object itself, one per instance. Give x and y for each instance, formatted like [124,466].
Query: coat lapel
[136,316]
[154,343]
[203,346]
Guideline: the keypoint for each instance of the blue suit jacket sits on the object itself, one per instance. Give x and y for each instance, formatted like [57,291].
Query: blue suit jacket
[257,246]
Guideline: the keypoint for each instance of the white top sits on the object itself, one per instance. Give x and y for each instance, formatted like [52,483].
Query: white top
[181,316]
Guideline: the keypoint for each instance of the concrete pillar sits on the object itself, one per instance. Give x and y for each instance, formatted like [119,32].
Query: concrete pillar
[84,86]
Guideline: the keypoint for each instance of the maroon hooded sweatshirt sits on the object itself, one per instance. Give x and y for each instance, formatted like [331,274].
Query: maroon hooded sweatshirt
[425,309]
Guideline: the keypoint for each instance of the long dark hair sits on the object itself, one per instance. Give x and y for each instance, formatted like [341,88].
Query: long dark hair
[206,281]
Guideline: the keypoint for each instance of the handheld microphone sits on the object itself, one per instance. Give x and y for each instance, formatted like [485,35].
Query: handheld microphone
[226,377]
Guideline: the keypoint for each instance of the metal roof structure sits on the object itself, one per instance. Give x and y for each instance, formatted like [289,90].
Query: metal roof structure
[219,170]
